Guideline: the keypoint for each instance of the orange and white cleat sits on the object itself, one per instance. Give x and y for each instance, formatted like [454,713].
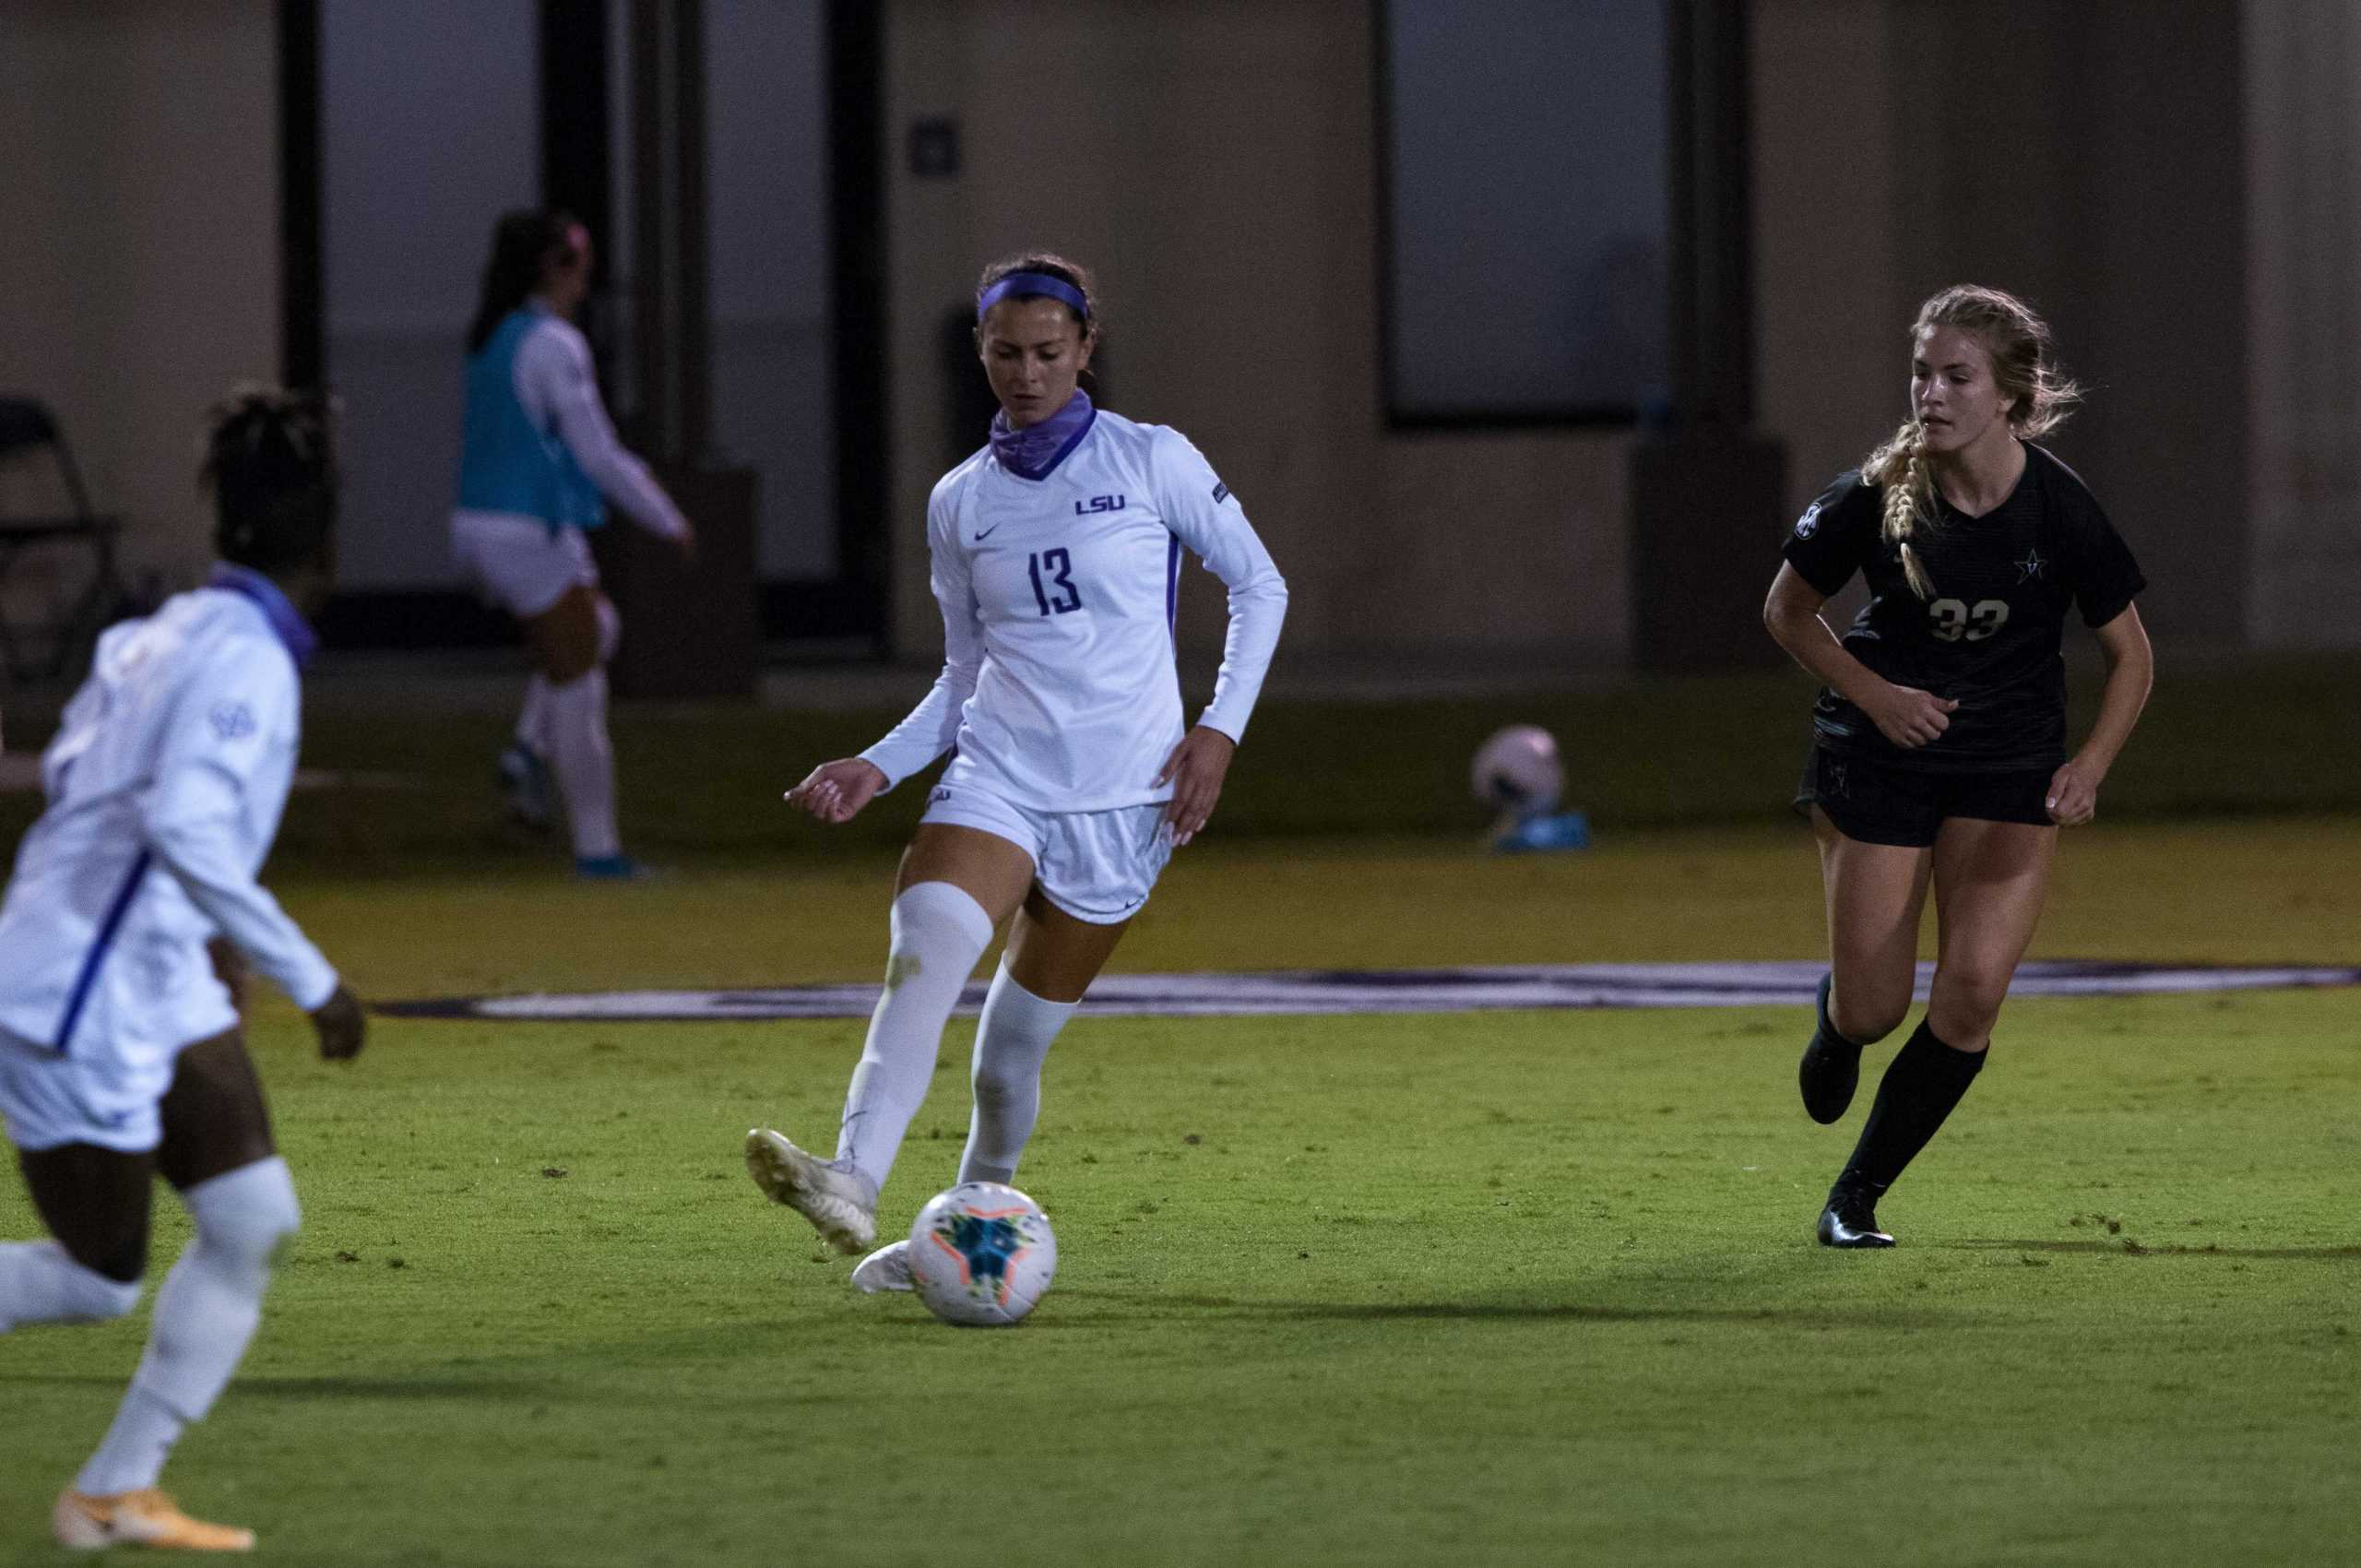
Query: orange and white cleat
[139,1518]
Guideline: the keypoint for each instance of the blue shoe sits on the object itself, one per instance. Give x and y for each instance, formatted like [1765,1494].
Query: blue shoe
[525,779]
[608,868]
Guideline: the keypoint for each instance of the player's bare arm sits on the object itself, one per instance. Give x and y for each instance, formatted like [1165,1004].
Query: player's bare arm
[1195,770]
[835,791]
[2073,797]
[1904,715]
[341,1025]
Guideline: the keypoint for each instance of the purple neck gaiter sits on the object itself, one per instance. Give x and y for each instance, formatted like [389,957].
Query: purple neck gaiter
[1032,452]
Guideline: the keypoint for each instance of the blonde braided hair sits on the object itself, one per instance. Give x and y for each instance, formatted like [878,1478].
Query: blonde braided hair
[2024,368]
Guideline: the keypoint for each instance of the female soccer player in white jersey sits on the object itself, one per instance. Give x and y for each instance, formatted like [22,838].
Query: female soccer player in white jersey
[120,1051]
[1938,753]
[1056,558]
[537,456]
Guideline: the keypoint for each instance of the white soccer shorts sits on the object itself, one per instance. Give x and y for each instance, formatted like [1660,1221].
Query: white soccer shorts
[1096,866]
[49,1098]
[520,563]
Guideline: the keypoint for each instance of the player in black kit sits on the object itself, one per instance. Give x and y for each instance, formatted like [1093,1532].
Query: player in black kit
[1938,752]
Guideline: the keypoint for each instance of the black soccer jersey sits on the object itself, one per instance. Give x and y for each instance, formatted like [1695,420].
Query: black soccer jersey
[1987,637]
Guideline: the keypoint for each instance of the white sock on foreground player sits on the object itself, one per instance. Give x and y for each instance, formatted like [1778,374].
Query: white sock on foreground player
[938,931]
[206,1315]
[41,1283]
[1012,1042]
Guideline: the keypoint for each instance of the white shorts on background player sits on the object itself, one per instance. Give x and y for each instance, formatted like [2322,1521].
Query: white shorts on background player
[520,562]
[165,785]
[1059,693]
[1096,866]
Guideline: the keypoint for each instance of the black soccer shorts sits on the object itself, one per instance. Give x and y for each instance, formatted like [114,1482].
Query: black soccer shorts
[1878,802]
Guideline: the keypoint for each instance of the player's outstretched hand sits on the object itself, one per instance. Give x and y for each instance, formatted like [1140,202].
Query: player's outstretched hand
[686,541]
[835,792]
[1195,770]
[1908,716]
[2073,794]
[341,1025]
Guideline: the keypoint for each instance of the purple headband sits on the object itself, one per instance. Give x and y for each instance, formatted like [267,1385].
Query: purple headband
[1039,284]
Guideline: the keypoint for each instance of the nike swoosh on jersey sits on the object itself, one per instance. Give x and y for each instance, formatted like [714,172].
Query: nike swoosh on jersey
[988,532]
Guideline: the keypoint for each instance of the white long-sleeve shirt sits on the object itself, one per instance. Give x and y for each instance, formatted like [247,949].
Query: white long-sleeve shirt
[165,783]
[1059,690]
[558,389]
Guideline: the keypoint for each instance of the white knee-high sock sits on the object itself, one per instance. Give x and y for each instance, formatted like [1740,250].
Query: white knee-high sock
[533,722]
[41,1283]
[584,763]
[206,1315]
[1012,1041]
[939,931]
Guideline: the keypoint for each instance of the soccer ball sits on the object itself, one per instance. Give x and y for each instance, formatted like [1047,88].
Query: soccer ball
[982,1255]
[1517,772]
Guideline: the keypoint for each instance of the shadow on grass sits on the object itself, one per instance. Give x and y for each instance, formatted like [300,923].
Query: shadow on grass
[2127,1247]
[489,1390]
[1516,1312]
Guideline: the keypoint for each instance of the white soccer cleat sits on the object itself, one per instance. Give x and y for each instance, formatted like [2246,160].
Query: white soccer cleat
[138,1518]
[887,1268]
[839,1203]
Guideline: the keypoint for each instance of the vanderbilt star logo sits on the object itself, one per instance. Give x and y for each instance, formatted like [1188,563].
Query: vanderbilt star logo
[2030,567]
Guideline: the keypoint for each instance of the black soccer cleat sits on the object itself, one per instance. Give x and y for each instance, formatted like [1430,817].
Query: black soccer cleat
[1830,1069]
[1850,1221]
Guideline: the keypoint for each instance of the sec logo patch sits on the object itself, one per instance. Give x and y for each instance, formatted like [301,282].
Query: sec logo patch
[232,721]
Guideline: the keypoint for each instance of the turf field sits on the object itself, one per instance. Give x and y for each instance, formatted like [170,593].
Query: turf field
[1509,1288]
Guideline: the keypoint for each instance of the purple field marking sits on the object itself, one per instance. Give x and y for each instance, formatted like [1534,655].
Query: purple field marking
[1306,991]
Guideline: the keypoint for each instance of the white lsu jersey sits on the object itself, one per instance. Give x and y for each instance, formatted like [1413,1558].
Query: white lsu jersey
[165,783]
[1059,690]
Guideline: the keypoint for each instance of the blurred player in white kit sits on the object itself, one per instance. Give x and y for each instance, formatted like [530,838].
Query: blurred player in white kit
[120,1055]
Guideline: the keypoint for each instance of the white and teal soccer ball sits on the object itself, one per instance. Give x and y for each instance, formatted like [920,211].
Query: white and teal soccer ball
[982,1255]
[1517,772]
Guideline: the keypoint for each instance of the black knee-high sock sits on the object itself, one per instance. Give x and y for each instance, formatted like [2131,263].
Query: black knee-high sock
[1926,1079]
[1826,1032]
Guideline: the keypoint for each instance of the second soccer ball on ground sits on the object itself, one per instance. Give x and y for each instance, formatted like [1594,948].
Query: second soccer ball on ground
[1517,772]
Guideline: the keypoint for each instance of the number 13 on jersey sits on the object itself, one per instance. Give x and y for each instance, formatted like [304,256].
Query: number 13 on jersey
[1053,588]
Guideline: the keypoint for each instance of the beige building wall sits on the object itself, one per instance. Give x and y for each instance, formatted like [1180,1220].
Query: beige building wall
[1184,147]
[2044,148]
[1897,147]
[139,243]
[1214,160]
[2303,121]
[1831,303]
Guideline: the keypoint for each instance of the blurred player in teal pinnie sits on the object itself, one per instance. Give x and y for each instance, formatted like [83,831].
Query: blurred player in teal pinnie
[1056,560]
[120,1055]
[538,463]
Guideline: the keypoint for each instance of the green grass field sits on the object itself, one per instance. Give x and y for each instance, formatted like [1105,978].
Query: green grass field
[1508,1288]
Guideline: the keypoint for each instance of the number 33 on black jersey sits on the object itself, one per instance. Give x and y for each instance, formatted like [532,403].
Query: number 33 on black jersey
[1988,636]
